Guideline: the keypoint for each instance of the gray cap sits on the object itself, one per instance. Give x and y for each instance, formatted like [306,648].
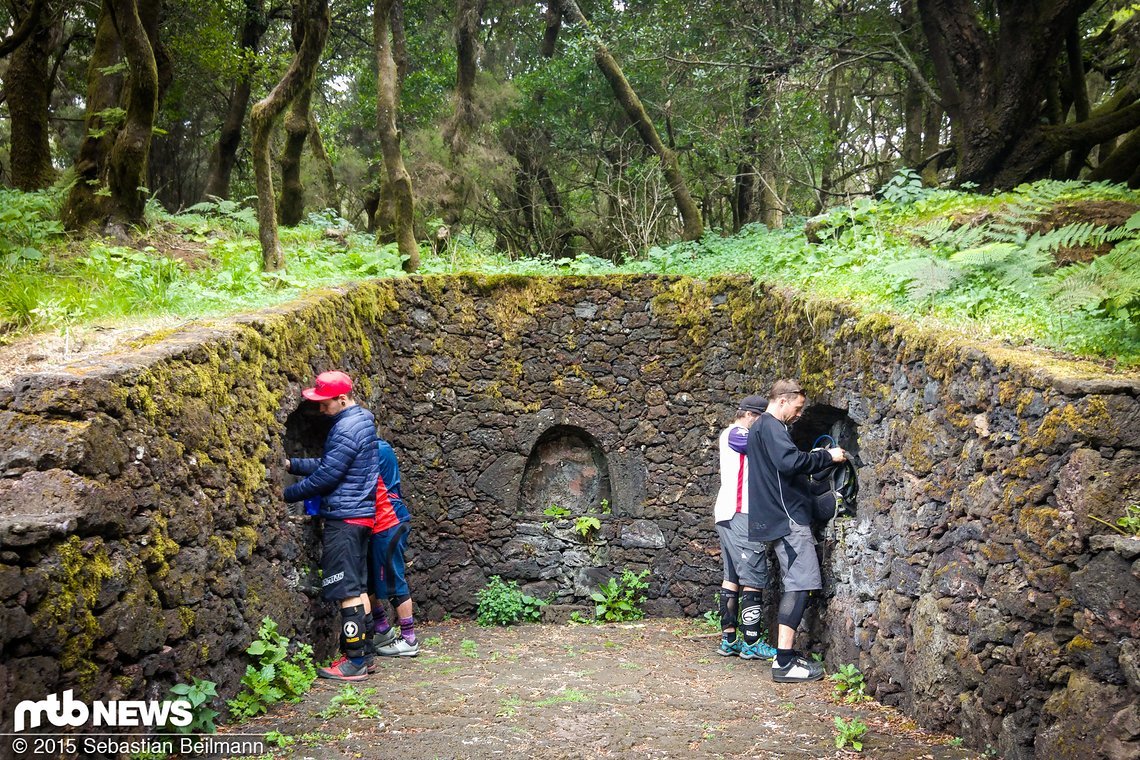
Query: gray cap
[755,404]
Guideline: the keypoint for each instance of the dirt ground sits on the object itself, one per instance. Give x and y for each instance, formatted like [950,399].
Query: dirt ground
[651,689]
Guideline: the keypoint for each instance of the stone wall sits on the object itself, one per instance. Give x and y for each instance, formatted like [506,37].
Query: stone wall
[142,536]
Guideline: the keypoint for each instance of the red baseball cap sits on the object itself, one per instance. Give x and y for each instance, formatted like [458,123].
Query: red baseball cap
[329,385]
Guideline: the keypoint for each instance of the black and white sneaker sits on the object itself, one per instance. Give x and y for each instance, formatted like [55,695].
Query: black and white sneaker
[798,670]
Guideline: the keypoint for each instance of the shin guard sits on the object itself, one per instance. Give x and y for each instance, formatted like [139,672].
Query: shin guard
[729,611]
[751,615]
[352,631]
[792,605]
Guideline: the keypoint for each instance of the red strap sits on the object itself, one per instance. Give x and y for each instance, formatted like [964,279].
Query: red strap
[740,484]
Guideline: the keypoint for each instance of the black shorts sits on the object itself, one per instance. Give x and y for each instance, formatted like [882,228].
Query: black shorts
[344,560]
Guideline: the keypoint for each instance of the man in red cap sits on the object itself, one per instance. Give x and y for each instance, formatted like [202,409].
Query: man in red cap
[345,480]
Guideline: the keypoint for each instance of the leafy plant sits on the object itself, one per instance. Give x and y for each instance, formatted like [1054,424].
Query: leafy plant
[351,701]
[849,684]
[711,620]
[279,740]
[556,511]
[618,600]
[605,506]
[1129,525]
[198,693]
[587,525]
[577,618]
[849,732]
[502,603]
[276,676]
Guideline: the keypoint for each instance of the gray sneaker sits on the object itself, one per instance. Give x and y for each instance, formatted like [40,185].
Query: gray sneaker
[399,648]
[798,670]
[386,638]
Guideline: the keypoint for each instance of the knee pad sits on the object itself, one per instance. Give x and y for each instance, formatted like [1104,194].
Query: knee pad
[398,600]
[728,609]
[792,605]
[352,630]
[751,615]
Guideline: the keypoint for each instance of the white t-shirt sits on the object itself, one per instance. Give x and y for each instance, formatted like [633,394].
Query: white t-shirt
[733,494]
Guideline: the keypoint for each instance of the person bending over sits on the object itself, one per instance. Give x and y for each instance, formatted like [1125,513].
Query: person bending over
[780,510]
[345,479]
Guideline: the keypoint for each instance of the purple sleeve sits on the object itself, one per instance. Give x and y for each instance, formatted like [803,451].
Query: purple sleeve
[738,439]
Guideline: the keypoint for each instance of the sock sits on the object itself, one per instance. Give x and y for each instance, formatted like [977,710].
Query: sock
[380,622]
[408,630]
[784,657]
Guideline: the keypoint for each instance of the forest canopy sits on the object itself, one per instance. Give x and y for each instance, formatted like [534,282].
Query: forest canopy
[558,127]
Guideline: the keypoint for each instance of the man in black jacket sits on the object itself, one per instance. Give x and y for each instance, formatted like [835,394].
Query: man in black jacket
[345,480]
[780,508]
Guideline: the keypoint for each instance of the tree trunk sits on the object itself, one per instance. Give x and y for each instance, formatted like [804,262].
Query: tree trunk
[297,122]
[297,78]
[744,191]
[224,155]
[387,102]
[992,84]
[1122,164]
[692,228]
[457,132]
[317,146]
[27,88]
[86,200]
[127,163]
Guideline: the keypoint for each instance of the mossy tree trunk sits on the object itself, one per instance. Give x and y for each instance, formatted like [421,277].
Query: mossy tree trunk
[27,21]
[27,87]
[297,123]
[126,170]
[692,225]
[111,165]
[297,78]
[224,155]
[387,101]
[292,203]
[317,146]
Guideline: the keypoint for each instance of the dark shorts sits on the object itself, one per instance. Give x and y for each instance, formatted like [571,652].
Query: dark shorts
[386,562]
[344,560]
[745,562]
[799,564]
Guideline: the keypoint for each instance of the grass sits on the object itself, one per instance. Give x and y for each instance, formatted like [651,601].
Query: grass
[954,260]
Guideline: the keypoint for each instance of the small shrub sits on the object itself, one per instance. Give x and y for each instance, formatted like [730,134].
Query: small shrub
[556,511]
[198,693]
[502,603]
[620,600]
[849,732]
[711,620]
[351,701]
[849,684]
[585,526]
[277,675]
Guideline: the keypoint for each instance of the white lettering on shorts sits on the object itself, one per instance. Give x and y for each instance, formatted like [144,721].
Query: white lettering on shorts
[332,579]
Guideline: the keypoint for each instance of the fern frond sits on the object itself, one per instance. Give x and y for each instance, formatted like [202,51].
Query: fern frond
[924,276]
[985,256]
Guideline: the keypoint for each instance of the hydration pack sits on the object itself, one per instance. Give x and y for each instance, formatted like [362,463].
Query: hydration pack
[834,489]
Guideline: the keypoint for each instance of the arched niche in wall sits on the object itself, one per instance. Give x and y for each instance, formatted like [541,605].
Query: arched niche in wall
[820,420]
[566,467]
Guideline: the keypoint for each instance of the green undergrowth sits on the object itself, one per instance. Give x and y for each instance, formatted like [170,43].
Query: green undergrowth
[990,266]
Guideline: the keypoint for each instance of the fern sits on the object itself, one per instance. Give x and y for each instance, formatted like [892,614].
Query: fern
[924,276]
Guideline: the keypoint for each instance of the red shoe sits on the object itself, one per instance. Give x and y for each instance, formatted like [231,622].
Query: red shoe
[344,670]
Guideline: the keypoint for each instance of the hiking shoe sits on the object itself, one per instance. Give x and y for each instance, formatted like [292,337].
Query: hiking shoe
[399,648]
[798,670]
[761,650]
[384,639]
[729,648]
[344,670]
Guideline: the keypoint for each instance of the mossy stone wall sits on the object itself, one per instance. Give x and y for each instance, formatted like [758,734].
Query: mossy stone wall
[142,536]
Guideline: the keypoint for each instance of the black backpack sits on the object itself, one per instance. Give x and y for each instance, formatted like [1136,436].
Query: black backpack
[834,489]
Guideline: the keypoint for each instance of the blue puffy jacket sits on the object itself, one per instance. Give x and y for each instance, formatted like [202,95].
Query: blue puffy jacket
[345,475]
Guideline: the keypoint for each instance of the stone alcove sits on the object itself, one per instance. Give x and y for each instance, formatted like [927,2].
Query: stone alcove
[566,467]
[826,420]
